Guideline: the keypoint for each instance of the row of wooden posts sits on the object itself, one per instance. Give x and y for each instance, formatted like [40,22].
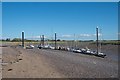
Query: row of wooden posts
[42,39]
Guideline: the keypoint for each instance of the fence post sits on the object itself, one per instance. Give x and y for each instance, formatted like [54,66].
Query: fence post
[22,38]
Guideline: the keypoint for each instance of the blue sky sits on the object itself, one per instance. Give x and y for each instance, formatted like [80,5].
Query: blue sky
[60,0]
[64,18]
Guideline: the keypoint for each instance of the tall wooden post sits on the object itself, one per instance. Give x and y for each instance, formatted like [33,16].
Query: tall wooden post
[55,40]
[43,40]
[97,38]
[22,39]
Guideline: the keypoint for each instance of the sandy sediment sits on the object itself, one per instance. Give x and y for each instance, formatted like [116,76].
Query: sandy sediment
[41,63]
[25,65]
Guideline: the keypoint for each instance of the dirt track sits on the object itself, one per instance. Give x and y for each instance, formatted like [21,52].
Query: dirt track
[36,63]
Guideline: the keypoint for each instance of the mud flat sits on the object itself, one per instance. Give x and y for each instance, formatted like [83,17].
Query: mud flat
[21,64]
[45,63]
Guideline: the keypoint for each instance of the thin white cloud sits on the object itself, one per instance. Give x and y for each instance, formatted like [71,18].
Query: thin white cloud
[67,36]
[98,34]
[78,35]
[88,35]
[37,37]
[84,35]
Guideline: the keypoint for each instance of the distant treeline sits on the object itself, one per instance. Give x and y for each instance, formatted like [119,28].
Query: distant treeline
[102,42]
[106,42]
[17,40]
[26,40]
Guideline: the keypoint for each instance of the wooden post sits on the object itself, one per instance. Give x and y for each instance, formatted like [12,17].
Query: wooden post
[22,39]
[55,40]
[43,40]
[97,38]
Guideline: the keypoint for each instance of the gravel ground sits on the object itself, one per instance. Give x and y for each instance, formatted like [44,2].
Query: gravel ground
[26,65]
[74,65]
[45,63]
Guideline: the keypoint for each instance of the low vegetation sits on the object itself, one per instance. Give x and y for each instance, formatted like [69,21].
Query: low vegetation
[111,42]
[18,41]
